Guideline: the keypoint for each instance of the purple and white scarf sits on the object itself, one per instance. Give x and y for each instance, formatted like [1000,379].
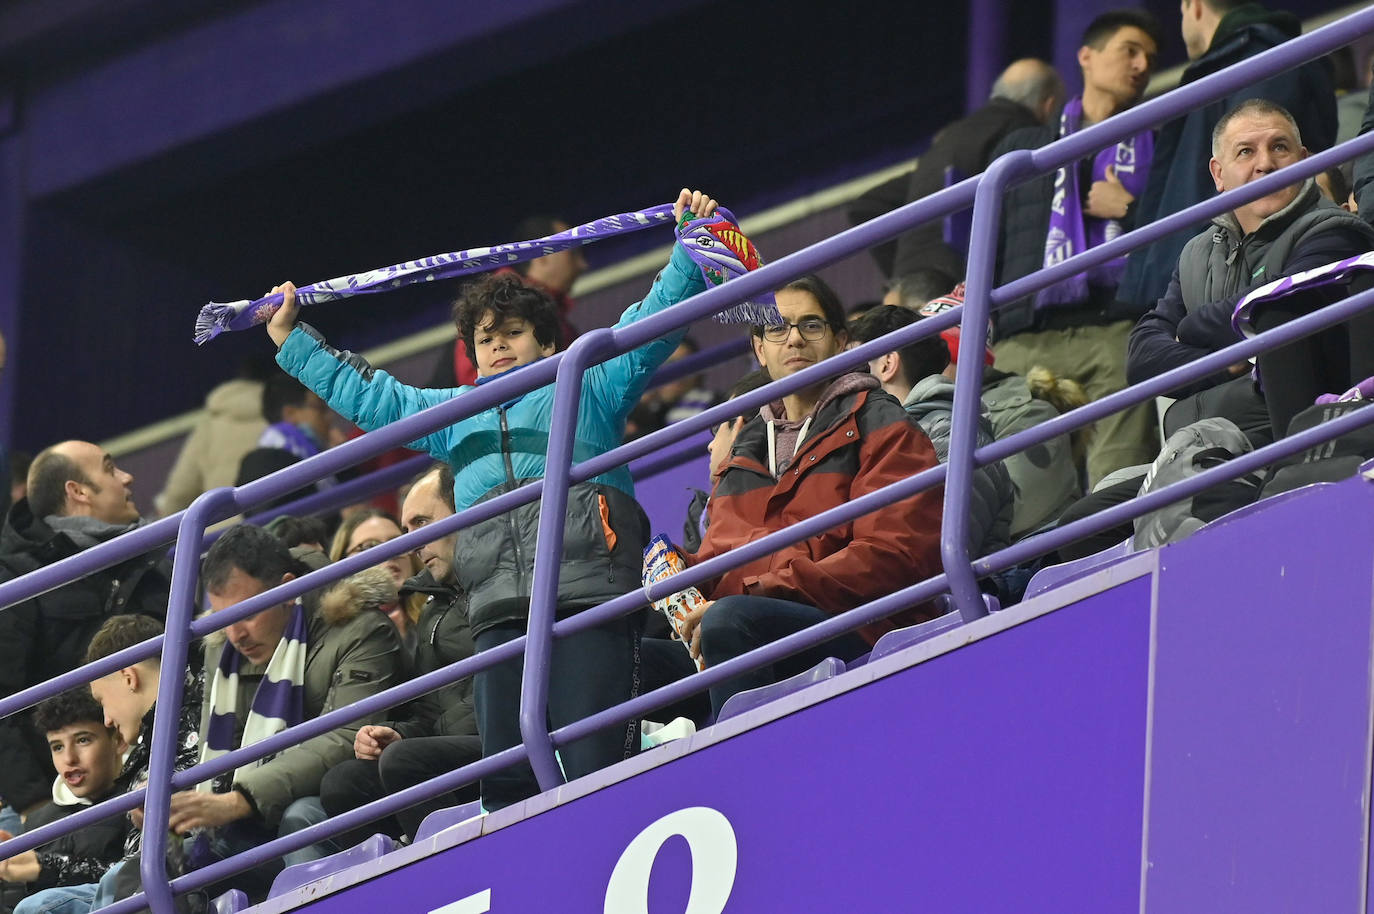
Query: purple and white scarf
[1071,232]
[1332,273]
[278,703]
[287,436]
[715,244]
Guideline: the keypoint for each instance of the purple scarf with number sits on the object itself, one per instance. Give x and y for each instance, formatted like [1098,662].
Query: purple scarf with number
[714,243]
[1071,231]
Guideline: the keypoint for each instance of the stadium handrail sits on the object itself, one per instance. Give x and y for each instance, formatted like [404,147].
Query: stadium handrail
[605,343]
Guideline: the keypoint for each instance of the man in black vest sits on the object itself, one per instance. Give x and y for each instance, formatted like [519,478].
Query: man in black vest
[1290,230]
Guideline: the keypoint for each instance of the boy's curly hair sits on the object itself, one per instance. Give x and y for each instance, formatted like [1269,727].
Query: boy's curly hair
[75,706]
[505,296]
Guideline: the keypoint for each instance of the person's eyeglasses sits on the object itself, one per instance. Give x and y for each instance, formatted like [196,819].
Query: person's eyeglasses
[811,329]
[364,546]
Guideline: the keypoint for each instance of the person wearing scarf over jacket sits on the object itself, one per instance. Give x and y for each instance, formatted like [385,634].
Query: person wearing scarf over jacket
[814,449]
[289,663]
[1076,328]
[507,325]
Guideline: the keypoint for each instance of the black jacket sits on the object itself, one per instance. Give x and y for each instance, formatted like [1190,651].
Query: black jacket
[135,772]
[444,638]
[1364,167]
[967,146]
[1180,177]
[47,636]
[73,859]
[1021,245]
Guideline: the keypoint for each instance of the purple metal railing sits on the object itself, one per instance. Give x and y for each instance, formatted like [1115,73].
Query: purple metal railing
[960,574]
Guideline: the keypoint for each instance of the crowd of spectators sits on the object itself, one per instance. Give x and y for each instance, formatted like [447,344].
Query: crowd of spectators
[847,433]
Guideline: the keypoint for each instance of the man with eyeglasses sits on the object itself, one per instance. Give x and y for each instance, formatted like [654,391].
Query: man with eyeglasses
[814,449]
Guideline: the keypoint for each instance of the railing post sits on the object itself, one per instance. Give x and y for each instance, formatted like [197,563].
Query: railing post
[968,380]
[553,509]
[209,508]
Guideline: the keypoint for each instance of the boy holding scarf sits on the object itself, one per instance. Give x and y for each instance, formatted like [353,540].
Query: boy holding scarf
[1076,328]
[507,325]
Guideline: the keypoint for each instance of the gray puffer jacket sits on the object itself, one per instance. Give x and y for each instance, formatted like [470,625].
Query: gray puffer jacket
[931,404]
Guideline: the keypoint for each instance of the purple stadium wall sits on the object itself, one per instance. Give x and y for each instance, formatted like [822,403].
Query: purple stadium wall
[1188,730]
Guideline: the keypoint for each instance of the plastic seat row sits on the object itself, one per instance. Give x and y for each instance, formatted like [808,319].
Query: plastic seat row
[375,847]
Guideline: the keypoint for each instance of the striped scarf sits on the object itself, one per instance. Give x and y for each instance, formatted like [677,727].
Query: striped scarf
[715,243]
[277,704]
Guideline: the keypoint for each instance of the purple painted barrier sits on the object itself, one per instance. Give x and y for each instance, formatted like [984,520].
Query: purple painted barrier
[753,822]
[1178,741]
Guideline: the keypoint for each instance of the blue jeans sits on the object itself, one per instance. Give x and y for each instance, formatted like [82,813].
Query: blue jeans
[10,820]
[300,815]
[736,625]
[72,899]
[590,671]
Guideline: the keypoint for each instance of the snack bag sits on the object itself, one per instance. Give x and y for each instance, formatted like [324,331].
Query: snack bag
[662,560]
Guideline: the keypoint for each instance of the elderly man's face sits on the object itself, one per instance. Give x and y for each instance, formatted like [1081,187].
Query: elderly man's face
[1252,146]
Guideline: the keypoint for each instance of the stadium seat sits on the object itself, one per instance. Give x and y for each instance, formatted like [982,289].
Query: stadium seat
[448,817]
[1247,510]
[293,877]
[748,700]
[231,902]
[902,638]
[1052,576]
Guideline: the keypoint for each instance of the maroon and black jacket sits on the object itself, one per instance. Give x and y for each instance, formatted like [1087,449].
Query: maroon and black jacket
[857,443]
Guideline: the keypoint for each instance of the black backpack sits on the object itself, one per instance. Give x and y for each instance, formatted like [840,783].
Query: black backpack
[1331,461]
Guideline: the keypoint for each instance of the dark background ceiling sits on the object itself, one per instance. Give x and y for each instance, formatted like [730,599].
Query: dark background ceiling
[594,108]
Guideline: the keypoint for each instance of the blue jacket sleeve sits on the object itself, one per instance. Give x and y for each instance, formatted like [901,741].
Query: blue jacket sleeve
[1154,348]
[364,395]
[620,381]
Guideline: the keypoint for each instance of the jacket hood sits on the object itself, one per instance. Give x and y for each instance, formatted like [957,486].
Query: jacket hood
[1308,196]
[23,532]
[239,399]
[62,794]
[930,393]
[848,383]
[1249,17]
[371,588]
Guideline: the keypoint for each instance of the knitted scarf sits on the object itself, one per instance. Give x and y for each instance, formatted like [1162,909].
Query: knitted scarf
[715,243]
[277,704]
[1071,232]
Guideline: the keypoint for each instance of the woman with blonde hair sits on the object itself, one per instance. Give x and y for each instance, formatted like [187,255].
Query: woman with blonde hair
[371,527]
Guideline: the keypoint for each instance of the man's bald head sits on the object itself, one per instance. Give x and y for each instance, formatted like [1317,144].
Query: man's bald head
[79,478]
[1033,84]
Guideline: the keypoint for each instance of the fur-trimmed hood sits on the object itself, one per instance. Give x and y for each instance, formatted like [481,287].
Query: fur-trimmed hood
[371,588]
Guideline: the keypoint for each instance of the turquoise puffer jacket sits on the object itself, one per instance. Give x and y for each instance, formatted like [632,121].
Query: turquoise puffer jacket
[504,447]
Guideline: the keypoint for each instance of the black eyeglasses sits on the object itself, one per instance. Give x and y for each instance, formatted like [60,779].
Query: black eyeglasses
[364,546]
[811,329]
